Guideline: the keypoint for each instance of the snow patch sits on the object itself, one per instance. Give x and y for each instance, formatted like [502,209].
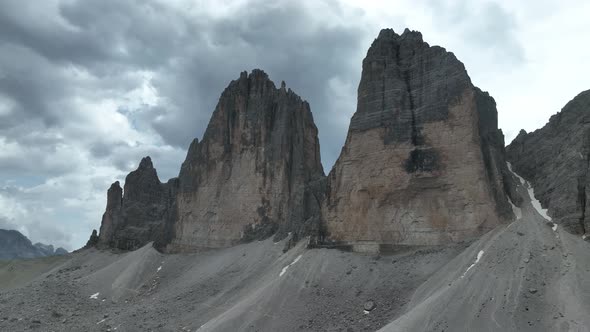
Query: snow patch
[479,255]
[159,268]
[531,190]
[536,203]
[94,296]
[102,321]
[584,236]
[366,312]
[554,227]
[522,181]
[286,267]
[516,210]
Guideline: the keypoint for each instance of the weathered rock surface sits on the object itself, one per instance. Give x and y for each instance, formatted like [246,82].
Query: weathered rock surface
[142,214]
[256,172]
[555,160]
[423,161]
[13,245]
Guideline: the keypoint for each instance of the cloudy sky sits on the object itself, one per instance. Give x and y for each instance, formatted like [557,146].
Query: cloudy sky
[89,87]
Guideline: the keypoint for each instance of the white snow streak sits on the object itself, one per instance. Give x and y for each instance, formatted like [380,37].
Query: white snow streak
[479,255]
[531,190]
[536,203]
[102,321]
[286,267]
[94,296]
[159,268]
[522,181]
[517,211]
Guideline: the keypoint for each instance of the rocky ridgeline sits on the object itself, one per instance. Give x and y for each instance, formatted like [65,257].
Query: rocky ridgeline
[14,244]
[555,160]
[423,163]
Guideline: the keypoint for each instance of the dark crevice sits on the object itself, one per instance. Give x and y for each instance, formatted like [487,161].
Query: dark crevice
[414,129]
[582,194]
[383,93]
[415,132]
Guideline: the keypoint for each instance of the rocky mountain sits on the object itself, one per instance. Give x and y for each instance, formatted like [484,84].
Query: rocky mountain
[256,173]
[423,161]
[555,160]
[13,245]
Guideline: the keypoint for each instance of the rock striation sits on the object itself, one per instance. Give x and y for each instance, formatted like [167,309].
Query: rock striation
[256,172]
[423,162]
[555,160]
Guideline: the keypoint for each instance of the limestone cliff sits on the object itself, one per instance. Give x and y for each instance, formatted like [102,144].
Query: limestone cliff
[555,160]
[423,161]
[256,172]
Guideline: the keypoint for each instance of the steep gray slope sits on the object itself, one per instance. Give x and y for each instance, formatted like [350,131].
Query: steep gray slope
[250,287]
[527,276]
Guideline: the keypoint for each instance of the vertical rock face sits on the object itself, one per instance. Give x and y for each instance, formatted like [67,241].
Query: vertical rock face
[555,160]
[423,161]
[142,214]
[256,172]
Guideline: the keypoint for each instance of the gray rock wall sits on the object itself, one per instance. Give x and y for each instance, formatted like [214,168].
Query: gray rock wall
[555,159]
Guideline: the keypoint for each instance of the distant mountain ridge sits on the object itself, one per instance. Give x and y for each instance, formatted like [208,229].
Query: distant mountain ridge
[13,245]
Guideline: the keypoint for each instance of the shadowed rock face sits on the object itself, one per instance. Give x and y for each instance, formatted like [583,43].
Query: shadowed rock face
[256,172]
[423,161]
[142,214]
[555,159]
